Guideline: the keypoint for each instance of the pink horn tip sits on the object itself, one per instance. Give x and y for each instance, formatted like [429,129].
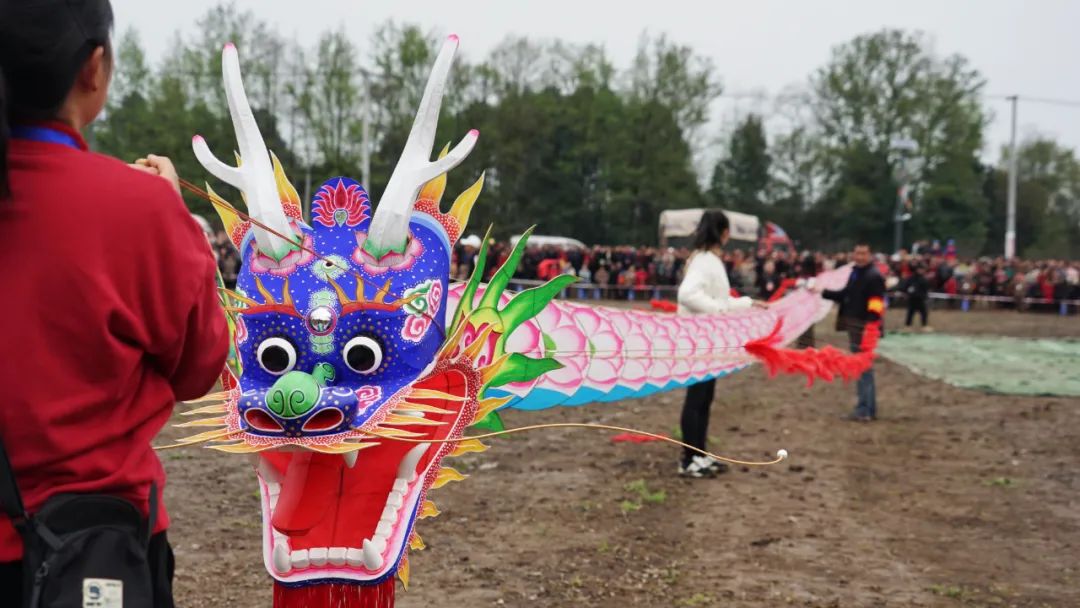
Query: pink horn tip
[197,138]
[229,45]
[453,38]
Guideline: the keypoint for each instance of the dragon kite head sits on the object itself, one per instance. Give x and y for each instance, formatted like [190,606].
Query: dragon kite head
[348,385]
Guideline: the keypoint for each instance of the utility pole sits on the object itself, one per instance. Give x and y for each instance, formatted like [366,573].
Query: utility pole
[365,144]
[1010,221]
[905,148]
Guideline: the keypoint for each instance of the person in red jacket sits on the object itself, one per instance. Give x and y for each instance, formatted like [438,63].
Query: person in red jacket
[111,312]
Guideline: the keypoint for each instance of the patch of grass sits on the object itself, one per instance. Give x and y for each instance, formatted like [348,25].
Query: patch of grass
[628,506]
[1000,482]
[698,599]
[658,497]
[644,494]
[949,591]
[603,547]
[676,433]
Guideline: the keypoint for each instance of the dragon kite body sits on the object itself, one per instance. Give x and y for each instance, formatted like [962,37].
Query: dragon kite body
[359,366]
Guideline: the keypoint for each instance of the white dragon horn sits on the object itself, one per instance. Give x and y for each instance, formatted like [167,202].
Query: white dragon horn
[255,176]
[390,225]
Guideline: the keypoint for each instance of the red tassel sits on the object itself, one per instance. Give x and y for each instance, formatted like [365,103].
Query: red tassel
[826,364]
[632,438]
[336,595]
[785,285]
[664,305]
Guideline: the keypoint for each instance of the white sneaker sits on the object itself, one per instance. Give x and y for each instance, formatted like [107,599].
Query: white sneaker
[699,466]
[717,466]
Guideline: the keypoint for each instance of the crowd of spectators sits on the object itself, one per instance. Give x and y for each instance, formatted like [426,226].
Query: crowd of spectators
[621,270]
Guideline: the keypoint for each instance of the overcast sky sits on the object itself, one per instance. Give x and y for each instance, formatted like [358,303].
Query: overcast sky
[1026,47]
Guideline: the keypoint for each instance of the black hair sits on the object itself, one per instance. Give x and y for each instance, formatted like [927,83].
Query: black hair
[43,45]
[710,230]
[863,244]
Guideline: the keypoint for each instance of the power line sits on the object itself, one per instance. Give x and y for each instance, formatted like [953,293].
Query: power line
[1074,103]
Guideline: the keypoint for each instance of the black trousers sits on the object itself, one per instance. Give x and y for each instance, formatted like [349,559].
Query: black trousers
[695,416]
[161,569]
[917,305]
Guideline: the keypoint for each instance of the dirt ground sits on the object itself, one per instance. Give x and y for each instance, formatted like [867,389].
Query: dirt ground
[953,498]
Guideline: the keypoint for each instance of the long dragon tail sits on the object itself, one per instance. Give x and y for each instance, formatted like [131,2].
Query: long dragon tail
[601,353]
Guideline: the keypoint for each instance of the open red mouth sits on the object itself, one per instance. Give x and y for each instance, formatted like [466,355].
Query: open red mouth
[350,517]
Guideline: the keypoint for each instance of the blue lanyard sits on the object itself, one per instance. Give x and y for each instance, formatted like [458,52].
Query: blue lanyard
[45,134]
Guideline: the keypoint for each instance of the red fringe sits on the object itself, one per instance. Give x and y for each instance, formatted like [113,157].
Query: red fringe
[632,438]
[785,285]
[664,305]
[826,363]
[335,595]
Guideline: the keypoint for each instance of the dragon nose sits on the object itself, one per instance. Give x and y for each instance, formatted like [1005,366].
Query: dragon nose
[293,395]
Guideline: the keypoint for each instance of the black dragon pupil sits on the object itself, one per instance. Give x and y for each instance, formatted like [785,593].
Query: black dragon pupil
[275,358]
[361,358]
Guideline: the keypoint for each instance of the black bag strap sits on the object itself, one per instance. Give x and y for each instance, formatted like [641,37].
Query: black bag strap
[151,516]
[10,498]
[12,505]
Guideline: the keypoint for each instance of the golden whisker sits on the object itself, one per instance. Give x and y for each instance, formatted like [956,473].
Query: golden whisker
[430,393]
[409,406]
[217,408]
[341,448]
[398,420]
[215,421]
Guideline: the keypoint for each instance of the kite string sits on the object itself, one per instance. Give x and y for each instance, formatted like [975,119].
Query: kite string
[781,454]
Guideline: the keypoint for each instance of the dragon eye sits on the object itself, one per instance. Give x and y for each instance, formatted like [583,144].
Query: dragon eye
[362,354]
[276,355]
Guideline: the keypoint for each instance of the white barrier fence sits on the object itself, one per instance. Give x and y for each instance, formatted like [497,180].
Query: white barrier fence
[592,291]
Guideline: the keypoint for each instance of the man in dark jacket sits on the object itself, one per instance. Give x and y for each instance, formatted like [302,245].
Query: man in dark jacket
[917,289]
[862,304]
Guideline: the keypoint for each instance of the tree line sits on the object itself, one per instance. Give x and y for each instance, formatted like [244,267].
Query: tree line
[591,150]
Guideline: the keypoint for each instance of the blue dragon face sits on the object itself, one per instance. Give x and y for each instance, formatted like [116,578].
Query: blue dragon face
[345,386]
[335,336]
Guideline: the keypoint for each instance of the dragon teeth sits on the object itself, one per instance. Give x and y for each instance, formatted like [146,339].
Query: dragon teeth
[354,557]
[338,555]
[384,529]
[395,499]
[372,557]
[380,543]
[301,559]
[281,557]
[350,458]
[407,467]
[318,556]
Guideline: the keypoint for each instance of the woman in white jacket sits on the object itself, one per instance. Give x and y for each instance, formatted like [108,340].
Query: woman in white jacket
[705,290]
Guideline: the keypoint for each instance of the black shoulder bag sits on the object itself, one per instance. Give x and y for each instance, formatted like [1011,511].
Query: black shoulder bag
[81,550]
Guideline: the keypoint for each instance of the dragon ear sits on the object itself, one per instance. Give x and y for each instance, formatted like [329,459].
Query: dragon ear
[455,220]
[290,198]
[235,227]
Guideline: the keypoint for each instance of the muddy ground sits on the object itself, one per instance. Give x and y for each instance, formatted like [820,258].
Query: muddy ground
[953,498]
